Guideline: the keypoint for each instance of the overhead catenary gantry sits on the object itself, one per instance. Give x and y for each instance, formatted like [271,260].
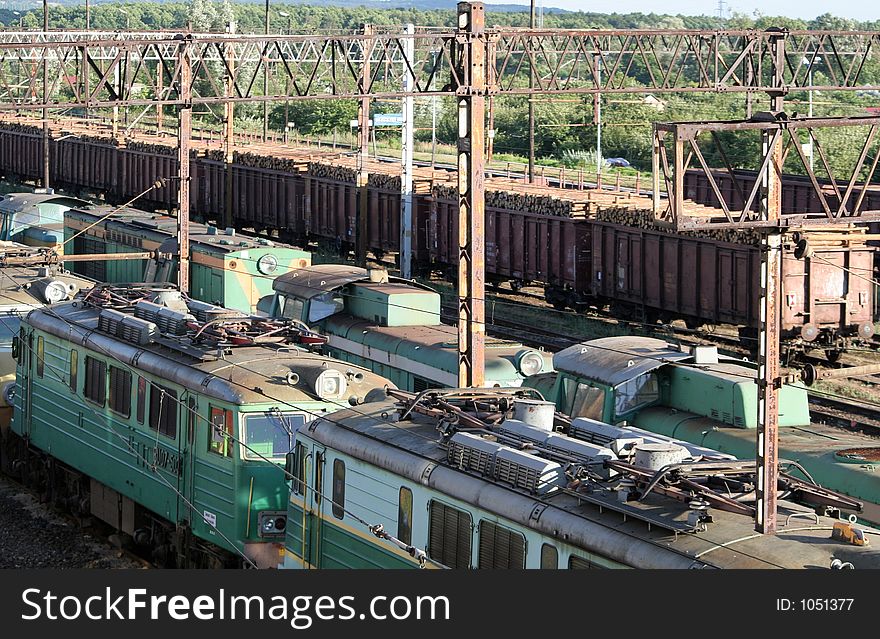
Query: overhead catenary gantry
[82,66]
[470,63]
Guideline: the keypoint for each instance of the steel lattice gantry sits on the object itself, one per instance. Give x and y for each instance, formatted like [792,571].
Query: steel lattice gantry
[81,66]
[471,62]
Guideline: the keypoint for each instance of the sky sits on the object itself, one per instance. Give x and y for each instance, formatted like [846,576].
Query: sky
[806,9]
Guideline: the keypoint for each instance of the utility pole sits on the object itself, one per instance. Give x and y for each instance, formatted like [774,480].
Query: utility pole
[46,99]
[471,105]
[184,133]
[88,17]
[229,136]
[406,156]
[363,152]
[266,81]
[597,60]
[531,99]
[434,55]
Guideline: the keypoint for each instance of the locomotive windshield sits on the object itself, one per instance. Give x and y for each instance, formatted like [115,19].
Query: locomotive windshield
[9,324]
[636,392]
[270,434]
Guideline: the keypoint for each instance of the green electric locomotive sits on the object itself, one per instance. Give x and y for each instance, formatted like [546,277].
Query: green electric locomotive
[226,268]
[392,326]
[169,419]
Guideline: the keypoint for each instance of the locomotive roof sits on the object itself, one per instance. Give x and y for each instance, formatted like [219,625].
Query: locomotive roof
[311,281]
[433,345]
[614,360]
[16,284]
[16,202]
[133,221]
[410,448]
[243,375]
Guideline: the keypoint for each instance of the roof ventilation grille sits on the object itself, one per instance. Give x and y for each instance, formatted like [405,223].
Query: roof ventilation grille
[126,327]
[169,321]
[528,472]
[472,453]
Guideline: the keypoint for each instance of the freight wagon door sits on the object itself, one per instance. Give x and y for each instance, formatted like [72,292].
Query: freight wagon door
[827,289]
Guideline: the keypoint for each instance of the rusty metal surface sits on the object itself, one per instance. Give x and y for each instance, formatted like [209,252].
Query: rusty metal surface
[471,106]
[184,132]
[840,198]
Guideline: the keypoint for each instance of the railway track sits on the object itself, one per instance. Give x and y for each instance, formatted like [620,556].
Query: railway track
[119,553]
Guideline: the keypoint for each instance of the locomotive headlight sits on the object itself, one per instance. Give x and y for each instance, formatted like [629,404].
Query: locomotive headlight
[272,523]
[529,362]
[330,384]
[267,264]
[55,292]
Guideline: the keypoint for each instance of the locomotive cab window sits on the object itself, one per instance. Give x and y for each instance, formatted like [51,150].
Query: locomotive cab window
[404,515]
[290,307]
[338,488]
[41,356]
[635,393]
[299,469]
[163,410]
[74,368]
[270,435]
[221,432]
[9,328]
[589,401]
[549,557]
[324,305]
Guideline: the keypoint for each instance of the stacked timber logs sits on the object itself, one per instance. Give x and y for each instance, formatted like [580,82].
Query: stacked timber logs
[149,147]
[16,127]
[643,218]
[94,139]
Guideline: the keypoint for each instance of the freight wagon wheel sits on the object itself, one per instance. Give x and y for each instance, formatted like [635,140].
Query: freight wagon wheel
[833,354]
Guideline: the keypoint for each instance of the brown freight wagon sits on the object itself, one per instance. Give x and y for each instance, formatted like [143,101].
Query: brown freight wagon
[826,299]
[333,209]
[21,155]
[521,247]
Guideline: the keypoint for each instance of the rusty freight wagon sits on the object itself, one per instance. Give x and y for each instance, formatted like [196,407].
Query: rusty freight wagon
[827,296]
[651,275]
